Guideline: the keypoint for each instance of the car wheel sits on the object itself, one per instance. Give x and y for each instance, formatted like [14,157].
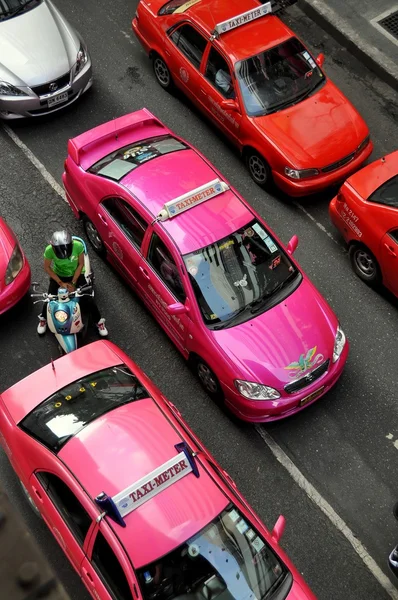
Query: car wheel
[29,499]
[162,73]
[209,381]
[94,237]
[258,168]
[365,265]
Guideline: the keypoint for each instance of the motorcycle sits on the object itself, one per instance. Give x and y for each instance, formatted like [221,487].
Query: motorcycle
[64,317]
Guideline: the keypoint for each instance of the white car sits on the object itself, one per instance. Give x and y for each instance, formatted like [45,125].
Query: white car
[44,63]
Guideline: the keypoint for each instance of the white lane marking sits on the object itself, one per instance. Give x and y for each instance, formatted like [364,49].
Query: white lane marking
[36,162]
[331,514]
[389,436]
[317,223]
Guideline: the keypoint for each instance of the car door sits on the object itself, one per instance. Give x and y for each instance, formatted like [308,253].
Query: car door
[106,571]
[217,91]
[389,259]
[67,516]
[160,284]
[185,48]
[122,229]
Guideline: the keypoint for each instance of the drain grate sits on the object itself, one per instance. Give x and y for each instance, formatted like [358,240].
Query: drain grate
[390,23]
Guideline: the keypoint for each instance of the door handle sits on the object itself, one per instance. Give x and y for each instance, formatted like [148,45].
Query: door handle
[390,250]
[37,493]
[103,219]
[145,273]
[87,575]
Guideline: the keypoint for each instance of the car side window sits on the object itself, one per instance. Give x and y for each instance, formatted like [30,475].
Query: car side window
[394,235]
[190,42]
[164,265]
[109,569]
[65,501]
[131,223]
[219,74]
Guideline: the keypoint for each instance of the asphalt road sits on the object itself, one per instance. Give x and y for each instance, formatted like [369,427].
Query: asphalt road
[340,444]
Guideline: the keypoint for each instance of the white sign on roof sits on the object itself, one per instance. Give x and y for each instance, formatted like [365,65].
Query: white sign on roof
[196,196]
[246,17]
[148,486]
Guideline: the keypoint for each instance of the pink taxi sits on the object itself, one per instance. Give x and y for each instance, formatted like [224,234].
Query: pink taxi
[139,506]
[261,338]
[14,269]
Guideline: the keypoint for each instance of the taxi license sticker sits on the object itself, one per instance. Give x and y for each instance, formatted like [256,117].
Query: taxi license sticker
[258,544]
[265,237]
[233,515]
[242,526]
[250,534]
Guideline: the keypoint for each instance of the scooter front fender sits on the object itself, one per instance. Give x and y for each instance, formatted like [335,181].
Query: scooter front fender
[68,343]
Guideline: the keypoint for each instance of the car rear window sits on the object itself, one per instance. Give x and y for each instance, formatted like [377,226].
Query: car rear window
[176,6]
[387,193]
[64,414]
[119,163]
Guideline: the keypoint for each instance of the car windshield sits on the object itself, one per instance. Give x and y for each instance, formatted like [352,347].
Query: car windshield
[239,274]
[117,164]
[67,411]
[227,559]
[9,8]
[277,78]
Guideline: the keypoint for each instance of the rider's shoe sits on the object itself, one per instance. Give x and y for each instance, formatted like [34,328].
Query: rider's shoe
[42,326]
[102,330]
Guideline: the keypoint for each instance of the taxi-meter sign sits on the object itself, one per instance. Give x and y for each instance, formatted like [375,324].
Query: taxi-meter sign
[148,486]
[192,198]
[242,19]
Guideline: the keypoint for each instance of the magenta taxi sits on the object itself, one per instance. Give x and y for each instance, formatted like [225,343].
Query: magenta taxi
[261,338]
[139,506]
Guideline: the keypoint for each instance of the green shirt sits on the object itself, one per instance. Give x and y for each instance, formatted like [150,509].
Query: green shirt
[65,267]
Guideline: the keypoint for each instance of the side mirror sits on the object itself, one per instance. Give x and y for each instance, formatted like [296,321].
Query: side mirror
[292,245]
[231,105]
[176,309]
[279,528]
[320,59]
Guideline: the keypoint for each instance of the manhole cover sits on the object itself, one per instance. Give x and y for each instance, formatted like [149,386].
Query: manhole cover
[387,23]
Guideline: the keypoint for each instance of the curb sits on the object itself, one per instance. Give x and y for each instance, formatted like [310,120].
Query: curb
[375,60]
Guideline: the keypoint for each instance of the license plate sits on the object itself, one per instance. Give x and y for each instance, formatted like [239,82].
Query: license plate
[57,99]
[312,396]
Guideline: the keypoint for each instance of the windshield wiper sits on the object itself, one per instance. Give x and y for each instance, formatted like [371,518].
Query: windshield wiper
[229,322]
[262,301]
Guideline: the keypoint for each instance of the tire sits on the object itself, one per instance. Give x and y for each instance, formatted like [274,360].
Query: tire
[94,237]
[30,501]
[208,381]
[162,73]
[365,265]
[258,168]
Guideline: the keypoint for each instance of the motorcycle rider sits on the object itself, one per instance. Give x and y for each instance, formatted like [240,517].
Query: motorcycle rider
[64,263]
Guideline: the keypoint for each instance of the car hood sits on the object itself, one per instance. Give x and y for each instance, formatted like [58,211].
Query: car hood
[317,131]
[36,46]
[268,348]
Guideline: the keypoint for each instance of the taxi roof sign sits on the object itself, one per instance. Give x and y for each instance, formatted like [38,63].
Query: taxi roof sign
[150,485]
[242,19]
[192,198]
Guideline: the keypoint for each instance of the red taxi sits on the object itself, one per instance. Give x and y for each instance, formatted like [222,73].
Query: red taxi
[366,213]
[251,75]
[139,506]
[14,269]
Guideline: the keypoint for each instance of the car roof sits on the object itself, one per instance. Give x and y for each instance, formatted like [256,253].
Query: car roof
[169,176]
[24,396]
[246,40]
[370,178]
[145,440]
